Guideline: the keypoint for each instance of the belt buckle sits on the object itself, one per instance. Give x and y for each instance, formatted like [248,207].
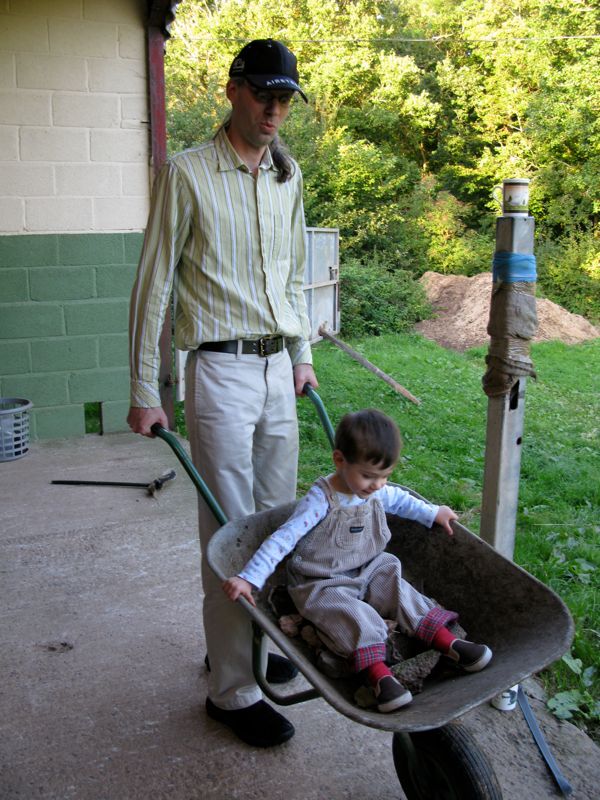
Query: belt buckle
[266,345]
[262,347]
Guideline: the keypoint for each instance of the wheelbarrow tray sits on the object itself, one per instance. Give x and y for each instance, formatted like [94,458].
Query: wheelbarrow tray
[525,623]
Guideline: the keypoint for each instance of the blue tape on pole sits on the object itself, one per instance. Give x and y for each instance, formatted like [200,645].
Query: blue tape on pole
[513,267]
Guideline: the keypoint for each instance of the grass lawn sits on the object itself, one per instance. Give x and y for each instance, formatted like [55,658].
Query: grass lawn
[558,530]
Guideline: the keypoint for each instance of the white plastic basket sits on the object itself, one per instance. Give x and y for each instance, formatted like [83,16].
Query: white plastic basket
[14,427]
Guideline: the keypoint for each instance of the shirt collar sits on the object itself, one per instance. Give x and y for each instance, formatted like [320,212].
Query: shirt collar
[228,158]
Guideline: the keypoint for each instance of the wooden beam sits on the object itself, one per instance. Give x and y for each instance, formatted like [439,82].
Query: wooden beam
[368,365]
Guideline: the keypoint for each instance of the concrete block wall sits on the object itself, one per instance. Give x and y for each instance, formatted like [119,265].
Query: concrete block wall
[63,327]
[75,178]
[74,139]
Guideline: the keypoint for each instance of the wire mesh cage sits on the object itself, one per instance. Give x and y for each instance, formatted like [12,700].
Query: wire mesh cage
[14,427]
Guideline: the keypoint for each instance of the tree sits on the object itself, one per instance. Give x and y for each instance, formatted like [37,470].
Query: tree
[416,111]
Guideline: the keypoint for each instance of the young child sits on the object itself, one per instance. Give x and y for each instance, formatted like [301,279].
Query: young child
[339,576]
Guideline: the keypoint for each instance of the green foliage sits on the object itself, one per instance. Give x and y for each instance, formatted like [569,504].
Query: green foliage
[357,187]
[520,102]
[377,300]
[452,248]
[577,703]
[189,126]
[417,110]
[569,273]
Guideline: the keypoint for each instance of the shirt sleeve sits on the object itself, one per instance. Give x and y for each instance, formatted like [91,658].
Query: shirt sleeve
[396,500]
[298,348]
[166,233]
[310,510]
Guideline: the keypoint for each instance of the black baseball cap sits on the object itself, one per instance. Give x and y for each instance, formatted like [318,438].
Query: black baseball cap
[267,64]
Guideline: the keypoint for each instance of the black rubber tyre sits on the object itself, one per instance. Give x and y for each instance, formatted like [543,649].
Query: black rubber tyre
[443,764]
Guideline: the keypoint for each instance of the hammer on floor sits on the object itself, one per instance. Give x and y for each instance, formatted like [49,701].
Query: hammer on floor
[152,487]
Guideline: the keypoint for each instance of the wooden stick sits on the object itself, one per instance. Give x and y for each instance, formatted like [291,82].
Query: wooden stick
[365,363]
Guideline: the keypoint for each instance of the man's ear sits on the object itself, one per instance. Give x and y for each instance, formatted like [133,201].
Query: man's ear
[231,88]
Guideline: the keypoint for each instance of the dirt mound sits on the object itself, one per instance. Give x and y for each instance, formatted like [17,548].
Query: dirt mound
[462,307]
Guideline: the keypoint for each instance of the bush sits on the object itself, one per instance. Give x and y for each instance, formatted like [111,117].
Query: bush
[376,299]
[569,273]
[453,248]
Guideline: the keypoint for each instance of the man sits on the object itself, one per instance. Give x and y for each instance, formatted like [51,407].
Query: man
[227,226]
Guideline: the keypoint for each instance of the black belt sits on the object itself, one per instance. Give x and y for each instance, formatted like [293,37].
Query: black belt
[265,346]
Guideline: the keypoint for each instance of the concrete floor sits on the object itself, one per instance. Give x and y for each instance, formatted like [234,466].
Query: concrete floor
[103,685]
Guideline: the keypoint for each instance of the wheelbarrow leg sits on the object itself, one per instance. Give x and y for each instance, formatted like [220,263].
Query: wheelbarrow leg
[260,677]
[443,764]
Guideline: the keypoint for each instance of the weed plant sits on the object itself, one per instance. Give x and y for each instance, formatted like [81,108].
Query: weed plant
[558,530]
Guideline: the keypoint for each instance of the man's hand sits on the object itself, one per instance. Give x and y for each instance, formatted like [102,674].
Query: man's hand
[140,420]
[304,373]
[238,587]
[444,517]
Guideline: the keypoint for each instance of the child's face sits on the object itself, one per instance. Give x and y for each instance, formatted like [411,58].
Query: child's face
[361,478]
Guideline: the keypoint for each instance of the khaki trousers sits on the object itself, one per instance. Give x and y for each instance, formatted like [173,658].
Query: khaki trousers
[240,413]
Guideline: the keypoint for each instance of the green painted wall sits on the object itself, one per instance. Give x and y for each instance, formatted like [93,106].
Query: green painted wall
[63,327]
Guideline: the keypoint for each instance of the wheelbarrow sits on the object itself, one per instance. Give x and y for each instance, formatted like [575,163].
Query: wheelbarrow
[526,624]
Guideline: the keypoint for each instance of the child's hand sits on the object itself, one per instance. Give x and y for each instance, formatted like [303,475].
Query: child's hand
[238,587]
[444,517]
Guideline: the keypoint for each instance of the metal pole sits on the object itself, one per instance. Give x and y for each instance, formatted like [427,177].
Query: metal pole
[504,438]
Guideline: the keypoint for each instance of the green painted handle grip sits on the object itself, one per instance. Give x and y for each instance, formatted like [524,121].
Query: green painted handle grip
[191,470]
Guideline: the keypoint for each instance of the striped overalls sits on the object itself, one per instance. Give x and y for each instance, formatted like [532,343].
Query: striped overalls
[342,581]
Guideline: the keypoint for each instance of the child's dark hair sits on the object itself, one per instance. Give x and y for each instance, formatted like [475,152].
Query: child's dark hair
[370,436]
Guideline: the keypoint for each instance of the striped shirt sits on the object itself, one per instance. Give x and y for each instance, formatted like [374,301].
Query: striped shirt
[232,245]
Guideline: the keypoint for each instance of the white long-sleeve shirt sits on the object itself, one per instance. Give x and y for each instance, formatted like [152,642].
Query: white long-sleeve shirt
[311,509]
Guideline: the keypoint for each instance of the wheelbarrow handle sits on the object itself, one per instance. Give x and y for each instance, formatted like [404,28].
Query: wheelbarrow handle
[158,430]
[323,416]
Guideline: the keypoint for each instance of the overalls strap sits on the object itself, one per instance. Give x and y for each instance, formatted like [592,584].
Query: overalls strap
[330,494]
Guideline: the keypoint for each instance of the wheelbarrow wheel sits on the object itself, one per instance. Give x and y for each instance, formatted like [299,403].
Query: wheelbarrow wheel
[443,764]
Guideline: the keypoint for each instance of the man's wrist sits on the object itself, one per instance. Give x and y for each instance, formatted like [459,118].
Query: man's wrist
[144,394]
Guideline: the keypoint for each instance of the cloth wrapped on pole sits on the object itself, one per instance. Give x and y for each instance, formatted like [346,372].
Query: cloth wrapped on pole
[512,322]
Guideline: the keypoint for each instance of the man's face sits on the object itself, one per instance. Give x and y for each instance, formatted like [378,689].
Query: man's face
[257,113]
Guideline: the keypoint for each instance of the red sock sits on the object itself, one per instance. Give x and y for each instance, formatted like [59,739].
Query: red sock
[443,639]
[377,671]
